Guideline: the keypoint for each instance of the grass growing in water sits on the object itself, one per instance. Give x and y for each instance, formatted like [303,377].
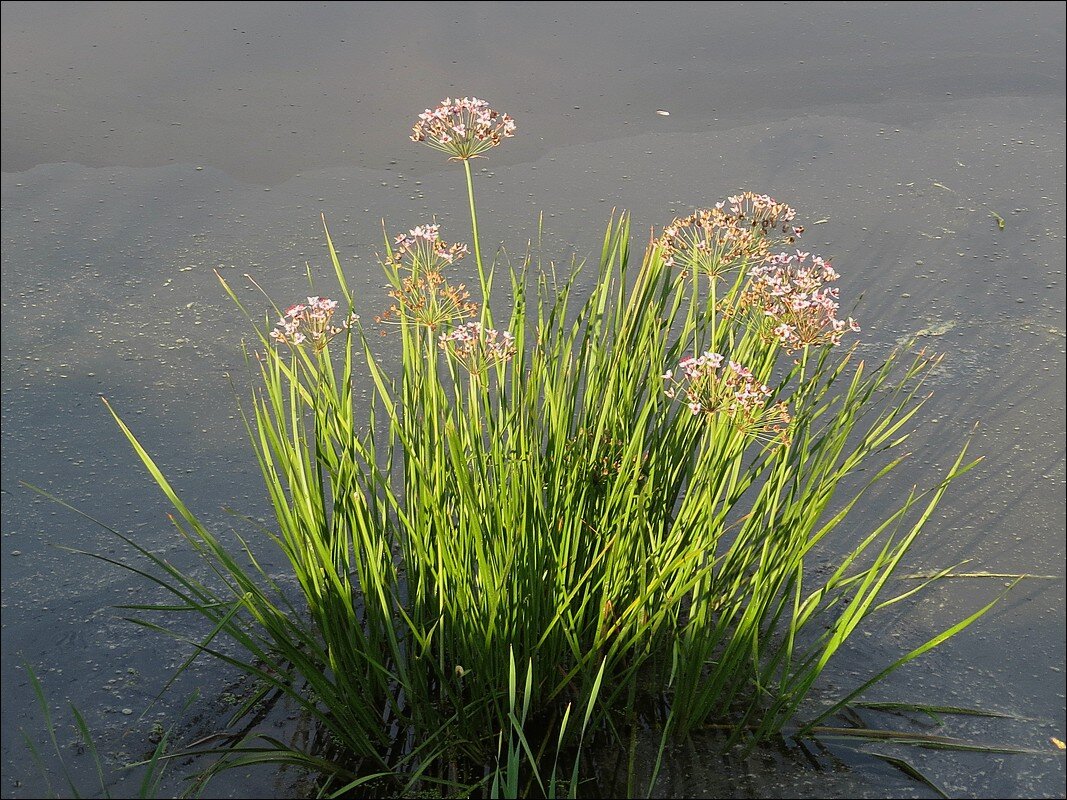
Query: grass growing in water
[534,532]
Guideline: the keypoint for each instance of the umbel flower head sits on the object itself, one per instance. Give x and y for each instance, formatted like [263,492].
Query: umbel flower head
[790,290]
[422,250]
[477,347]
[741,230]
[428,299]
[711,385]
[464,128]
[424,296]
[311,323]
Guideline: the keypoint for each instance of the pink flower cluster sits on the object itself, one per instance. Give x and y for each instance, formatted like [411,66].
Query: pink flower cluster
[421,249]
[476,347]
[425,296]
[790,289]
[765,213]
[713,241]
[709,388]
[309,322]
[464,128]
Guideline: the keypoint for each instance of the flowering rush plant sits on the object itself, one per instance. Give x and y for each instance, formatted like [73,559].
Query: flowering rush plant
[465,129]
[627,510]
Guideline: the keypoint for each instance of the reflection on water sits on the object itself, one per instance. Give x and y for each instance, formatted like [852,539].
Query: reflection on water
[903,134]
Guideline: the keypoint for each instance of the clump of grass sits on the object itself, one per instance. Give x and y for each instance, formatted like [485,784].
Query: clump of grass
[620,491]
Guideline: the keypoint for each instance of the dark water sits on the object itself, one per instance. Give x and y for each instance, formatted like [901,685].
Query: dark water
[145,146]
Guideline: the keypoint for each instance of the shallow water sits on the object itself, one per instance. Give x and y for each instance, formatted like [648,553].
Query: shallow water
[144,147]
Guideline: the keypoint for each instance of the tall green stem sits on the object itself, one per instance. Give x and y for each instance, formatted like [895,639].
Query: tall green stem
[712,312]
[487,317]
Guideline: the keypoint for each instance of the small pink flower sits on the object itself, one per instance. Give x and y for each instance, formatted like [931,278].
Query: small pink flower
[740,371]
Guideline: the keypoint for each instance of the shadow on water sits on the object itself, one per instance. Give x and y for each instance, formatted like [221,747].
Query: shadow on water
[143,150]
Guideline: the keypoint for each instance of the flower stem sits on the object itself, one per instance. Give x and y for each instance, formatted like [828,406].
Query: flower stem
[487,317]
[714,346]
